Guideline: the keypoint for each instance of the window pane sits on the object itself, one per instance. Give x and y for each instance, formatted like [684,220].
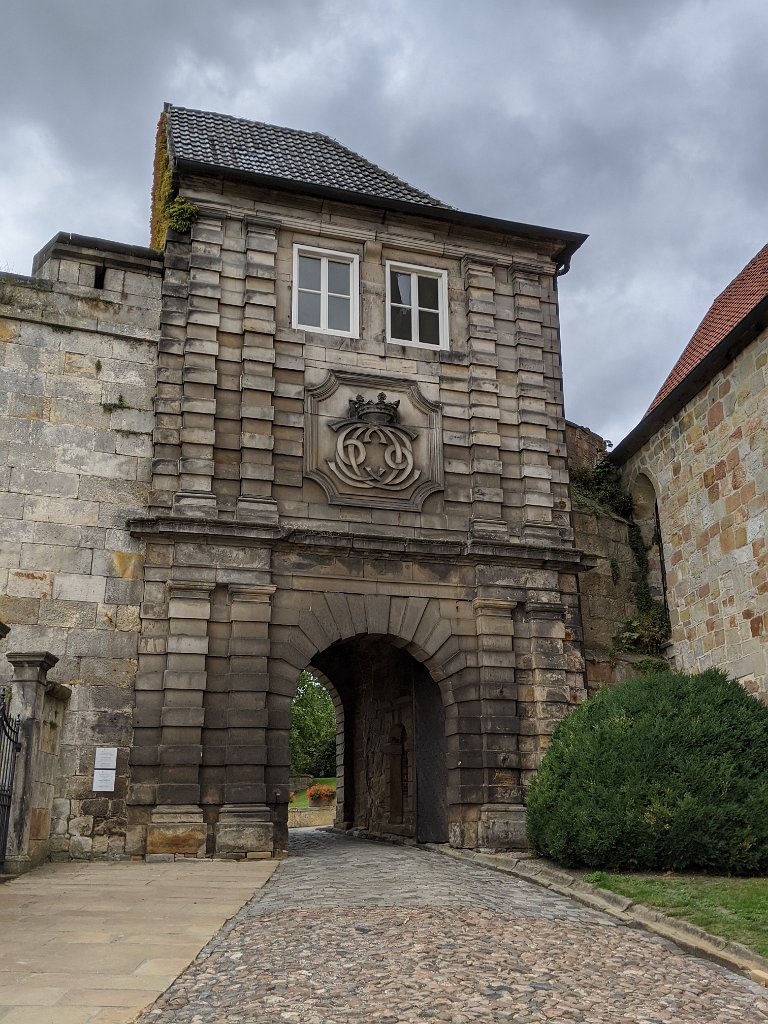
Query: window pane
[428,293]
[338,277]
[309,273]
[338,313]
[429,328]
[309,309]
[400,287]
[401,323]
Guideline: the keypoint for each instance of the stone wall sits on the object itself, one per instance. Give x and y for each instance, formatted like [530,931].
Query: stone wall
[169,502]
[585,447]
[78,380]
[230,351]
[707,466]
[607,591]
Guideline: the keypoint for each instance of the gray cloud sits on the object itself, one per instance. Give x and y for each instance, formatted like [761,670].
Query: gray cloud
[642,124]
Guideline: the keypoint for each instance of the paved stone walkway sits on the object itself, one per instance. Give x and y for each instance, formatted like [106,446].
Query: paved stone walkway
[95,943]
[351,931]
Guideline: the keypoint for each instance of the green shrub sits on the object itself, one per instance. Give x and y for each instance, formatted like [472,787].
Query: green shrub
[667,772]
[603,484]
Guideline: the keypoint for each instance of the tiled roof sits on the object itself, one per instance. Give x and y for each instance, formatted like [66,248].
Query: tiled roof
[309,158]
[726,312]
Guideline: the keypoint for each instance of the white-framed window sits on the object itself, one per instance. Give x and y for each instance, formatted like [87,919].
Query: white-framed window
[326,289]
[417,305]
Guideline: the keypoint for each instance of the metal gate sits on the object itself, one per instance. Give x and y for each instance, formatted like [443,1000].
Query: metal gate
[9,748]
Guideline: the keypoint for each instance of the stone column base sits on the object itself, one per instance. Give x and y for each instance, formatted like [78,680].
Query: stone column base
[258,510]
[502,827]
[17,864]
[177,830]
[194,504]
[244,830]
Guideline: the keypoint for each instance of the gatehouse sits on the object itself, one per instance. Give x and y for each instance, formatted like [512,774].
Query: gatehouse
[326,431]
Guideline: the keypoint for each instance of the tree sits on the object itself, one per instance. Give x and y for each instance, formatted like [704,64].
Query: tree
[313,729]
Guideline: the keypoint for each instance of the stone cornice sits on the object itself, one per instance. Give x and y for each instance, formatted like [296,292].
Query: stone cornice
[495,254]
[372,545]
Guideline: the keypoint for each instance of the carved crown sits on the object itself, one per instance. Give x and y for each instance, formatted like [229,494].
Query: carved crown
[382,411]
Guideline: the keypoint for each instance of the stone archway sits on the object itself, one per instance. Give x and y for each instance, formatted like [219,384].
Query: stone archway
[392,754]
[391,661]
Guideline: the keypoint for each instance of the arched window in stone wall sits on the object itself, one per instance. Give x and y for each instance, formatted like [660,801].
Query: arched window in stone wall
[646,516]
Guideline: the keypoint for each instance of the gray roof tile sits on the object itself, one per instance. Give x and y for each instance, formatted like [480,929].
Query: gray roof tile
[310,158]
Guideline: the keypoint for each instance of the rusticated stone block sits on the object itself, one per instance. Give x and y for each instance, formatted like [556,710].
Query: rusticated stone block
[234,838]
[182,838]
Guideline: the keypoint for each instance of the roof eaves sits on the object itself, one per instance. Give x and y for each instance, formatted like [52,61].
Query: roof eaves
[743,334]
[572,239]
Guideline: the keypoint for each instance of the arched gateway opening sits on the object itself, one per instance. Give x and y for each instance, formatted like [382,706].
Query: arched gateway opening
[391,757]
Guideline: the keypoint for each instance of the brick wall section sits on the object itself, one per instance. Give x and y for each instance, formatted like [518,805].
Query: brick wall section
[78,381]
[709,467]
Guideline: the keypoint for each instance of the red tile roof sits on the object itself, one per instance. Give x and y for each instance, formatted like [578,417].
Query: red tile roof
[726,312]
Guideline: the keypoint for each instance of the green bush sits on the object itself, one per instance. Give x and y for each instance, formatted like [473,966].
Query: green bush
[667,772]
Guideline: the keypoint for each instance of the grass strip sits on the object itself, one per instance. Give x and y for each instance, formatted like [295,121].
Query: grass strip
[735,909]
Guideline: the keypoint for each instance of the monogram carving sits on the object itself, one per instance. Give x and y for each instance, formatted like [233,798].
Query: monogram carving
[370,450]
[382,451]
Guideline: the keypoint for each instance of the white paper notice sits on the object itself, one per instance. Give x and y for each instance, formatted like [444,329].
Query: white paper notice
[104,780]
[106,757]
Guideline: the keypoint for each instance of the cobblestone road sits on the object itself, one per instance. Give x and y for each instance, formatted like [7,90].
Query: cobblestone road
[351,931]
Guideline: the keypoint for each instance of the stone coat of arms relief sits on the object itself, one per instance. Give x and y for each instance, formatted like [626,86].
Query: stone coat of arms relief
[373,441]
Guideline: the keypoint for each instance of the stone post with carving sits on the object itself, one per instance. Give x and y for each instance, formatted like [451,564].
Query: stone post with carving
[32,794]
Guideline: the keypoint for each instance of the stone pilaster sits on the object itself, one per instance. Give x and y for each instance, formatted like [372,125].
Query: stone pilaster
[256,502]
[544,695]
[195,496]
[485,442]
[166,436]
[535,403]
[244,826]
[501,823]
[28,691]
[177,824]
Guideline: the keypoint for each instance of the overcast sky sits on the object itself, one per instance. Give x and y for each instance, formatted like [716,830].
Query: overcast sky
[640,122]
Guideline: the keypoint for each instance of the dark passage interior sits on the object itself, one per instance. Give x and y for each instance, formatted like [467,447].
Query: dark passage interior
[393,776]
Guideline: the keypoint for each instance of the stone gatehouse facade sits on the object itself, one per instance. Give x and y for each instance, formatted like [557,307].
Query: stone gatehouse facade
[321,428]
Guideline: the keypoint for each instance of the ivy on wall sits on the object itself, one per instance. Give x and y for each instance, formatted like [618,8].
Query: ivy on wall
[649,630]
[169,211]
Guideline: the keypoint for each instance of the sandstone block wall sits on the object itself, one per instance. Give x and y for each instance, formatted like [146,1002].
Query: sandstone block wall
[76,392]
[233,371]
[709,469]
[168,539]
[252,572]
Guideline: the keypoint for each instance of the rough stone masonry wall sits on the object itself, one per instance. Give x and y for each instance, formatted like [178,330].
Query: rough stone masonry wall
[606,592]
[77,380]
[709,468]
